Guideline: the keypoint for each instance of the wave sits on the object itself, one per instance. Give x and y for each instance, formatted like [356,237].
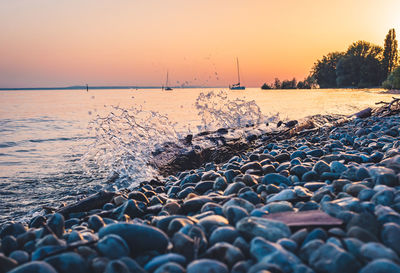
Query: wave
[127,139]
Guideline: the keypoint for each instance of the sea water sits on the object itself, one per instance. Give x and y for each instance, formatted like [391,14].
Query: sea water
[59,145]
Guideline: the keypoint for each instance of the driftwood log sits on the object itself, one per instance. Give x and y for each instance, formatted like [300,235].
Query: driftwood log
[305,219]
[95,201]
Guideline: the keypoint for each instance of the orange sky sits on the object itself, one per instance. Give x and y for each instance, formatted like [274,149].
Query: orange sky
[134,42]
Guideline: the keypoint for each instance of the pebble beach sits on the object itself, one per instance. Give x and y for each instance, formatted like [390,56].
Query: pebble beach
[224,217]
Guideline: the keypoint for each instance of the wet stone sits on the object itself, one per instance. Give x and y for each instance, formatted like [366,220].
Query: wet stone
[56,224]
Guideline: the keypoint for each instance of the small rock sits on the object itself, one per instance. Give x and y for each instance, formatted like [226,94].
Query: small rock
[34,267]
[269,229]
[113,246]
[67,262]
[381,266]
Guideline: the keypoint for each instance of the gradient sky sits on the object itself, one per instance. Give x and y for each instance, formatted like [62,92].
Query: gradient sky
[134,42]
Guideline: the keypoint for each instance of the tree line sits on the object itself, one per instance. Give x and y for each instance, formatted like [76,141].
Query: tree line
[363,65]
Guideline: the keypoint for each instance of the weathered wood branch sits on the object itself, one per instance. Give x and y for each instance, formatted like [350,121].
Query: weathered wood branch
[94,201]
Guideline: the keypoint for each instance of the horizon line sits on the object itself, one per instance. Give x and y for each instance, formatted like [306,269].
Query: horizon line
[78,87]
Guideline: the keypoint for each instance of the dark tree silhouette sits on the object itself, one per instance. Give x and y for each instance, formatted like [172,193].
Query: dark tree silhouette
[324,70]
[390,53]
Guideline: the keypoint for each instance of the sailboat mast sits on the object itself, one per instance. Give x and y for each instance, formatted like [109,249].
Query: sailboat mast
[166,84]
[237,61]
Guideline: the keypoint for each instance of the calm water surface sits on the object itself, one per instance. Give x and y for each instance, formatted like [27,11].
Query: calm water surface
[44,133]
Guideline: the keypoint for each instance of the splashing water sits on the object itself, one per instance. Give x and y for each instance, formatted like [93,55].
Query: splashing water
[126,139]
[216,111]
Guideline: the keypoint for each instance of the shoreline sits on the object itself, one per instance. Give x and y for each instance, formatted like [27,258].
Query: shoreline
[220,216]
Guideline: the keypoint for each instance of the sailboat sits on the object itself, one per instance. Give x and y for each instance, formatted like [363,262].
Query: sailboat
[237,86]
[167,88]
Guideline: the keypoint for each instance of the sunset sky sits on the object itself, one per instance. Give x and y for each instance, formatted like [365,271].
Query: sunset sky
[135,42]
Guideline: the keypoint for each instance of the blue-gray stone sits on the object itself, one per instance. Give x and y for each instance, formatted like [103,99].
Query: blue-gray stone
[315,234]
[158,261]
[220,184]
[298,154]
[384,197]
[321,167]
[316,153]
[314,186]
[223,234]
[381,266]
[116,266]
[20,256]
[391,236]
[309,248]
[224,252]
[68,262]
[281,206]
[298,170]
[113,246]
[273,253]
[274,178]
[372,251]
[238,202]
[13,229]
[43,251]
[288,244]
[337,167]
[353,246]
[34,267]
[209,223]
[170,267]
[331,258]
[206,265]
[234,188]
[250,196]
[310,176]
[271,230]
[8,244]
[139,237]
[56,224]
[96,222]
[235,213]
[284,195]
